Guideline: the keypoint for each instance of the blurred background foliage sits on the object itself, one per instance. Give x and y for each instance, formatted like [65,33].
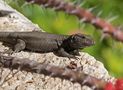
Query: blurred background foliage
[107,50]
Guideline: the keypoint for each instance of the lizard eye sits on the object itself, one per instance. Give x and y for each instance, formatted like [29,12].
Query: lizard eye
[83,37]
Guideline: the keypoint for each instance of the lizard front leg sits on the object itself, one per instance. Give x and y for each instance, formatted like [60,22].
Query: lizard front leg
[61,52]
[75,52]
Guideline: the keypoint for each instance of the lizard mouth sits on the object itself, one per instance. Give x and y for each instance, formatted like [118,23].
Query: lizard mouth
[89,43]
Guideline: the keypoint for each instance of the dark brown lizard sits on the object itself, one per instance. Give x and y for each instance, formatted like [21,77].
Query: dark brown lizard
[42,42]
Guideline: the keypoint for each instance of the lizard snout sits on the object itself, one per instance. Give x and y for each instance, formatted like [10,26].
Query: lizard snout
[89,42]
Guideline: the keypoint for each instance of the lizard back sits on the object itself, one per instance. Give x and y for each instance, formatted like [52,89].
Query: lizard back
[35,41]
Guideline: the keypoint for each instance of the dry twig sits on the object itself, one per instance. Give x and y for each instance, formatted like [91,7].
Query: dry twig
[84,15]
[41,68]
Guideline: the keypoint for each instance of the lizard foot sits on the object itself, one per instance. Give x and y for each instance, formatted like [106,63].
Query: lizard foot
[76,58]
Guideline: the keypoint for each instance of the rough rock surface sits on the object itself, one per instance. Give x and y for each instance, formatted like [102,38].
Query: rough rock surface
[31,81]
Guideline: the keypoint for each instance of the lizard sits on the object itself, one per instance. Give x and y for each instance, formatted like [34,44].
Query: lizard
[42,42]
[5,13]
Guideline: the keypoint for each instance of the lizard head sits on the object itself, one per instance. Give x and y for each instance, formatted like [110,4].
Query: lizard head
[78,41]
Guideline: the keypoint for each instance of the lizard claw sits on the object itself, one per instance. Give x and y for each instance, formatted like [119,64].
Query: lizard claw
[76,58]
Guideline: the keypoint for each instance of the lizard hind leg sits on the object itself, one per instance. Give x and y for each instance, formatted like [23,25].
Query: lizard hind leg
[20,45]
